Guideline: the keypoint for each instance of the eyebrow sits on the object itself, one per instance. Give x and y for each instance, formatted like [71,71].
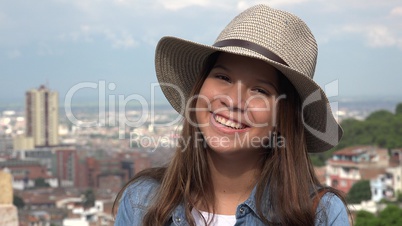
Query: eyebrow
[221,67]
[269,84]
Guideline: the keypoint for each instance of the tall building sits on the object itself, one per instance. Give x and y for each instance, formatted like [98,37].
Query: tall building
[68,169]
[42,116]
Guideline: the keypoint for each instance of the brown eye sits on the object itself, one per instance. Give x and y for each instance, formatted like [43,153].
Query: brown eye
[262,91]
[223,77]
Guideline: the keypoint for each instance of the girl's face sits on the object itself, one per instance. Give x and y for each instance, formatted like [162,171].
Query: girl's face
[236,106]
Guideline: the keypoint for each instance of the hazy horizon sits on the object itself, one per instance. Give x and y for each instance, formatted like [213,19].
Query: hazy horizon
[65,43]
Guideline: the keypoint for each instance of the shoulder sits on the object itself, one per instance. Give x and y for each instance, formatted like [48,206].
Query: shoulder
[141,192]
[136,198]
[331,211]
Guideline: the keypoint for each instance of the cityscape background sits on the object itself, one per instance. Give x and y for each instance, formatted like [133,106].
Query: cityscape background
[63,43]
[64,172]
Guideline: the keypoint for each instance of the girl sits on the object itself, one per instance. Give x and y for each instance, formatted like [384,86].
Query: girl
[252,113]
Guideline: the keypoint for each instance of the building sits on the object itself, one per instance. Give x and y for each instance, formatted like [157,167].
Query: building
[42,116]
[395,168]
[381,187]
[110,173]
[98,171]
[26,172]
[45,155]
[387,184]
[352,164]
[8,212]
[6,145]
[22,142]
[104,173]
[67,162]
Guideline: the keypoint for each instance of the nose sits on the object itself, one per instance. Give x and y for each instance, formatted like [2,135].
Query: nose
[234,97]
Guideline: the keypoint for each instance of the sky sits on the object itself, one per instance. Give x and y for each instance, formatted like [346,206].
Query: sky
[67,44]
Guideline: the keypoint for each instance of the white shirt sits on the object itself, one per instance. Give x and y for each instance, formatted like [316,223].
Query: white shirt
[219,219]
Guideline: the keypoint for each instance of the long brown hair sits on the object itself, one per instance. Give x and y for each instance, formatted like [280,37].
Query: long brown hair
[287,173]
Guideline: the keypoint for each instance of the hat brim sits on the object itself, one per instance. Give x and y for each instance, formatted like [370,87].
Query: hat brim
[178,63]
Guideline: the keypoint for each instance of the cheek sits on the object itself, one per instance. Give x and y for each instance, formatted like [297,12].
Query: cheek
[202,108]
[261,106]
[208,93]
[262,111]
[260,118]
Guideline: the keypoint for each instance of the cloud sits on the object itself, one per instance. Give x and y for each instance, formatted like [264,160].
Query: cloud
[180,4]
[14,54]
[242,5]
[87,33]
[129,23]
[397,11]
[374,23]
[380,36]
[46,49]
[376,36]
[122,40]
[2,18]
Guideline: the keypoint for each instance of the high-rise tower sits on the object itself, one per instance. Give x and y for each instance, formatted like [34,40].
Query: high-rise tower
[42,116]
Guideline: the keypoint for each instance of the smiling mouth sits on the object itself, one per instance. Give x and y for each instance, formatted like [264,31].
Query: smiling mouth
[228,123]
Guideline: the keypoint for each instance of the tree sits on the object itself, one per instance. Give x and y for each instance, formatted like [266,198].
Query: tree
[89,198]
[398,110]
[317,159]
[18,202]
[381,128]
[359,192]
[399,196]
[41,183]
[390,216]
[364,218]
[381,115]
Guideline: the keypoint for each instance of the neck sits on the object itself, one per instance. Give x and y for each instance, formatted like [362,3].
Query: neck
[233,178]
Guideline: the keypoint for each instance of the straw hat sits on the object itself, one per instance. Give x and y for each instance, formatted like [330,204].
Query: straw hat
[279,38]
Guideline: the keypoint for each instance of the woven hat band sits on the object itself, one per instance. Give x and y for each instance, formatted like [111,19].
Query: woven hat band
[251,46]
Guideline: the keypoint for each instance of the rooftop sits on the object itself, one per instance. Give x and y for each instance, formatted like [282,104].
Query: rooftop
[354,150]
[371,173]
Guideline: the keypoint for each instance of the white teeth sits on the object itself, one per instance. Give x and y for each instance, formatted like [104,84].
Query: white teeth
[227,122]
[232,124]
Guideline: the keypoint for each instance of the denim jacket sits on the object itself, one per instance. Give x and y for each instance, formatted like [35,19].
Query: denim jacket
[139,195]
